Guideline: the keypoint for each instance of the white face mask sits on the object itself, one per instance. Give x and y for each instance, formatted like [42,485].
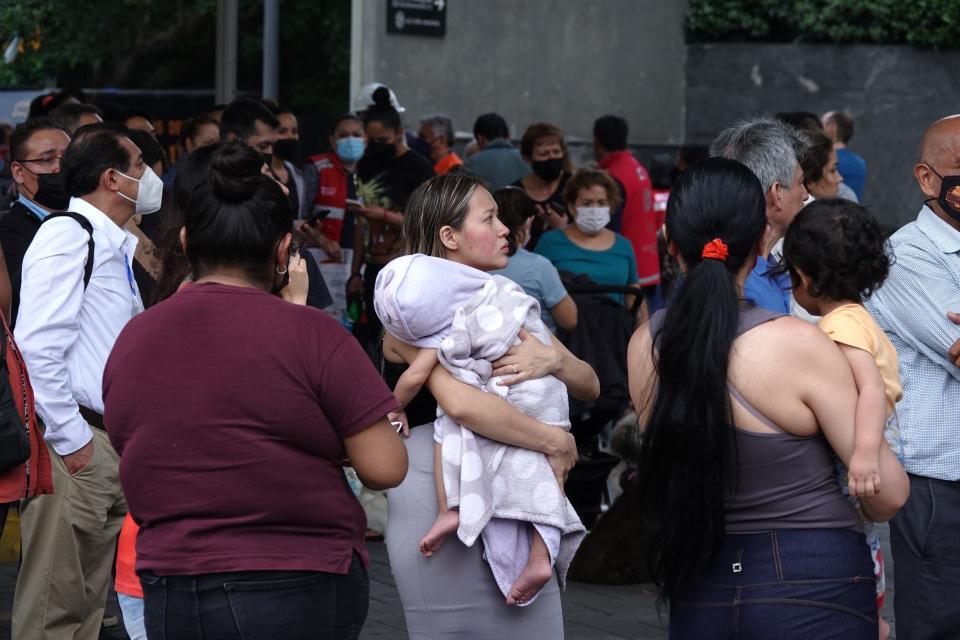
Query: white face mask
[150,193]
[591,220]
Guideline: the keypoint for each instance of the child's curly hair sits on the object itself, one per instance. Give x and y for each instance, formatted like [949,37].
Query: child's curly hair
[840,246]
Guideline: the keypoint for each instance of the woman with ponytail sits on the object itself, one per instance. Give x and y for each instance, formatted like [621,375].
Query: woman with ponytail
[748,533]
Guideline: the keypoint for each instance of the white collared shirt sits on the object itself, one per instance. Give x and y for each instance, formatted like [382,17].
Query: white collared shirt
[65,332]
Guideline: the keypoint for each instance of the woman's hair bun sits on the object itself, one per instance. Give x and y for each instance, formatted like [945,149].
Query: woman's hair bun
[381,97]
[236,172]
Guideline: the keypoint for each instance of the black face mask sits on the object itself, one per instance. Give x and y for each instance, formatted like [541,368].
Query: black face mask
[51,193]
[380,152]
[548,170]
[949,198]
[286,149]
[268,158]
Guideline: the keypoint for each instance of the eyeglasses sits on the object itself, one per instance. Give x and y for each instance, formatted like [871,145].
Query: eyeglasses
[46,163]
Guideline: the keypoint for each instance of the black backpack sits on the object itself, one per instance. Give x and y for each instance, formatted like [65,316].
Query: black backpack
[83,222]
[17,415]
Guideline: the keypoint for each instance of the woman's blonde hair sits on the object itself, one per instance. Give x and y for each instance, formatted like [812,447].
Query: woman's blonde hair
[439,202]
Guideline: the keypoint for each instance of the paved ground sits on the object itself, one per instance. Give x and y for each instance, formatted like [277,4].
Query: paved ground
[591,612]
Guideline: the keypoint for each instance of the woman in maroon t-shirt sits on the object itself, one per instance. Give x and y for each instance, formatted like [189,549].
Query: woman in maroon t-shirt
[233,411]
[453,592]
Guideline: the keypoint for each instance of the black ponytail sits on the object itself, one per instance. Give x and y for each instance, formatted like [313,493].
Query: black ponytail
[382,111]
[238,216]
[689,458]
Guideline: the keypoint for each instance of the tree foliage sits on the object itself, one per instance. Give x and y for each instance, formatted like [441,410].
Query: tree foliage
[170,44]
[922,23]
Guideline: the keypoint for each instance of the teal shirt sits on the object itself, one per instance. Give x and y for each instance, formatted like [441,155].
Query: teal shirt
[539,279]
[616,265]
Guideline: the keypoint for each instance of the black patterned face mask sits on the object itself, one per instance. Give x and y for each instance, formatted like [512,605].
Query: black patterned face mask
[949,198]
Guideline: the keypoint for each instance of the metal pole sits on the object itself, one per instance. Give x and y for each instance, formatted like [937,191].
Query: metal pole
[226,74]
[271,57]
[356,50]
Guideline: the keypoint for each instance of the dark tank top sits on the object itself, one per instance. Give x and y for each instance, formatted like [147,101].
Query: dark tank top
[423,408]
[784,481]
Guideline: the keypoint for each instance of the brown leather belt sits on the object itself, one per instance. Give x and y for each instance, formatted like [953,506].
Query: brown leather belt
[93,418]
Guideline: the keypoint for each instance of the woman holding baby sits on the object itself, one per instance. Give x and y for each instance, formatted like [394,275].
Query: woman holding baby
[453,592]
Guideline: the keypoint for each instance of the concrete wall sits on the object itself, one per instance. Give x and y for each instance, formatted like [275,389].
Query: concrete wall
[562,61]
[569,61]
[892,92]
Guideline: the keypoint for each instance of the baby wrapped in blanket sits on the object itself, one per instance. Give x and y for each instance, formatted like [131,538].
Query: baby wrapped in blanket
[507,495]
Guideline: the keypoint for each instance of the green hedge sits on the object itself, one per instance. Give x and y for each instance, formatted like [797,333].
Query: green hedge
[922,23]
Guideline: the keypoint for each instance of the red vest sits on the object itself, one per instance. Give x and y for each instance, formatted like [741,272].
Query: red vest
[331,193]
[639,218]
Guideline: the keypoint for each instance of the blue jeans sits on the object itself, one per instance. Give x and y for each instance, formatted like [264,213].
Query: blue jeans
[784,585]
[132,610]
[257,605]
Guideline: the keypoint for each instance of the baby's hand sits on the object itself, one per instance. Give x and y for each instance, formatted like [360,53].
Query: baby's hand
[399,418]
[863,475]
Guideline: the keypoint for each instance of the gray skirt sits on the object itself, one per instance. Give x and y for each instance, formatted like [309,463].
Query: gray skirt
[453,594]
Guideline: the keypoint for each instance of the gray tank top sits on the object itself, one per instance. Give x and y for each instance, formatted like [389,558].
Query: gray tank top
[783,481]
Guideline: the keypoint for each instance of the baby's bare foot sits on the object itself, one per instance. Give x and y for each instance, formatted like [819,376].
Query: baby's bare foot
[531,580]
[445,524]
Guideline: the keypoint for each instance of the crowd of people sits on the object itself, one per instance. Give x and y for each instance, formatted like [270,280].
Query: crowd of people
[233,356]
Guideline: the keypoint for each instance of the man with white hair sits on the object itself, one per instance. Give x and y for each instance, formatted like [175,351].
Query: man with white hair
[769,149]
[437,131]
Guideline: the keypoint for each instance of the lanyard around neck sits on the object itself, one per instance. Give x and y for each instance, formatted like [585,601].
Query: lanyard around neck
[137,302]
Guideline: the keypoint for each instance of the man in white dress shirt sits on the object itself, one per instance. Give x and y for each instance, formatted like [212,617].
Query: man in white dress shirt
[66,329]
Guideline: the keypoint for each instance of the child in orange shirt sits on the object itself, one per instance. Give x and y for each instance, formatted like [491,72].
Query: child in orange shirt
[127,584]
[834,250]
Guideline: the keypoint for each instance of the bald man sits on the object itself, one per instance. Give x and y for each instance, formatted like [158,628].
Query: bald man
[912,307]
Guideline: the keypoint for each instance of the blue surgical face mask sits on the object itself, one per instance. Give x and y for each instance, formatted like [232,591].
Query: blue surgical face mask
[350,149]
[34,208]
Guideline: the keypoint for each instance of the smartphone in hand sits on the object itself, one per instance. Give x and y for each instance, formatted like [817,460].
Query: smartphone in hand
[316,214]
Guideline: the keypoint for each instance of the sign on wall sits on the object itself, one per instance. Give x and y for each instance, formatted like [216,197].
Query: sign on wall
[417,17]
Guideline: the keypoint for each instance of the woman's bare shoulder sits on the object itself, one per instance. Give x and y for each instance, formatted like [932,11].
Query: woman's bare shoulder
[791,335]
[786,348]
[640,341]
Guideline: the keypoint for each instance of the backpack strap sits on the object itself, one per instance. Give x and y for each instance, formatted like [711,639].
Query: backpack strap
[85,223]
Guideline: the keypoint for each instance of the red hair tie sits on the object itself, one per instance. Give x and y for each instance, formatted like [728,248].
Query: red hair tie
[716,249]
